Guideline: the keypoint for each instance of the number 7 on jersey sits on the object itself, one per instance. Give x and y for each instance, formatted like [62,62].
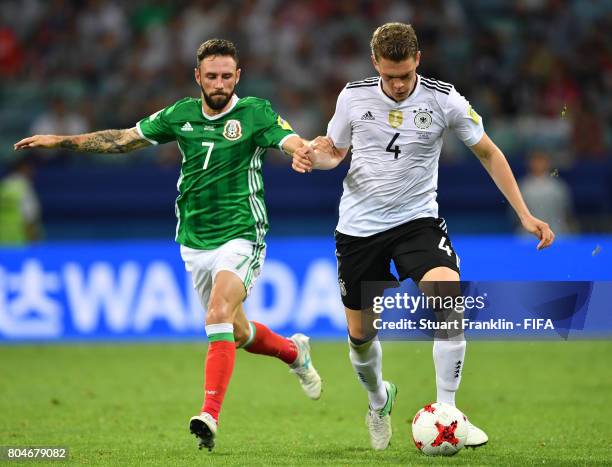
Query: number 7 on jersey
[208,153]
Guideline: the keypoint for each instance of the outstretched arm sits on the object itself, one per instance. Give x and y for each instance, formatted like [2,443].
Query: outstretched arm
[105,141]
[498,168]
[319,154]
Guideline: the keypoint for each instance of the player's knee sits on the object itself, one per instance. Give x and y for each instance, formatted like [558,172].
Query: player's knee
[360,325]
[219,311]
[439,274]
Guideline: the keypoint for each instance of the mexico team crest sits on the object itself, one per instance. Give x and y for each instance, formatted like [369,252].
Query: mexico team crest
[396,118]
[232,130]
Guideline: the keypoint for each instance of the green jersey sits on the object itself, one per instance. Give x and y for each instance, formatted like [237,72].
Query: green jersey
[221,195]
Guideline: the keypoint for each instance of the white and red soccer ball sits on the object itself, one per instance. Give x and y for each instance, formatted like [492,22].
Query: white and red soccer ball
[439,429]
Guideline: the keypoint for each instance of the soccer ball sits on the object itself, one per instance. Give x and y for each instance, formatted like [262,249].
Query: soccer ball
[439,430]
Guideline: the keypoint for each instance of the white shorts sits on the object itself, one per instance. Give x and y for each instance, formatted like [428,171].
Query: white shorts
[242,257]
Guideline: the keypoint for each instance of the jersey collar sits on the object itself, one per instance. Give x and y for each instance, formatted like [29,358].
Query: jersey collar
[393,101]
[222,114]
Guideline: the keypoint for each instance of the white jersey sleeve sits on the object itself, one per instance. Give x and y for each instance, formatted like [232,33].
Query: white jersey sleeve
[463,119]
[339,127]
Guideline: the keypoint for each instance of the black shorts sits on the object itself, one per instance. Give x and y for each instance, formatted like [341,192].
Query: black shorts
[415,247]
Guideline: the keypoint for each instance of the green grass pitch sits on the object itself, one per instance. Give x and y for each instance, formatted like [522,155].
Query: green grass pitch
[129,404]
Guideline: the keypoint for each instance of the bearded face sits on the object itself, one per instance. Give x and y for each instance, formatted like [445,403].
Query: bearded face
[217,77]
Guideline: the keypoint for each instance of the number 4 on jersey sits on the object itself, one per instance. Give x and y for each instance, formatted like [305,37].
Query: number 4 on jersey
[395,150]
[444,247]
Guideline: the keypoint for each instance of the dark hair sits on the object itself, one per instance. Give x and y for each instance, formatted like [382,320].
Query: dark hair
[213,47]
[394,41]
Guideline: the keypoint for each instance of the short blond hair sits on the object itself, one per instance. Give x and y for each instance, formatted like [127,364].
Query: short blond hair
[394,41]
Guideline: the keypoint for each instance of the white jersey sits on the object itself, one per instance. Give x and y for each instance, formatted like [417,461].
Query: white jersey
[393,176]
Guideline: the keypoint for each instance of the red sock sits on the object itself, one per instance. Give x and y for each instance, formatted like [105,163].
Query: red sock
[267,342]
[219,366]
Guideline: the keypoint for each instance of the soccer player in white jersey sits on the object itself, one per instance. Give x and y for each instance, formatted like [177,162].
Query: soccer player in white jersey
[394,123]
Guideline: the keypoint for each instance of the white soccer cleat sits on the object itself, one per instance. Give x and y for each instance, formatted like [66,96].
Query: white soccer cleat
[379,421]
[204,427]
[303,369]
[475,436]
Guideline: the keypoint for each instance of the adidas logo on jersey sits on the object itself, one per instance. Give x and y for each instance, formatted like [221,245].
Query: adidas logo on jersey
[187,127]
[368,116]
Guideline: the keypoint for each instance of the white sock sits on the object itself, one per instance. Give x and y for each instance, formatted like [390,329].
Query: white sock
[448,358]
[367,362]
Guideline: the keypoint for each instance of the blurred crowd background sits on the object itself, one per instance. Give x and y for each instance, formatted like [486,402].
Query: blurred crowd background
[538,71]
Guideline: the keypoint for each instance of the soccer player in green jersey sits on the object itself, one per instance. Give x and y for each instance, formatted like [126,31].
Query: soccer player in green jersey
[221,213]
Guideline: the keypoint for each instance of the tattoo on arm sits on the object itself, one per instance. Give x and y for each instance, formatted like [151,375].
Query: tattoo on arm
[106,141]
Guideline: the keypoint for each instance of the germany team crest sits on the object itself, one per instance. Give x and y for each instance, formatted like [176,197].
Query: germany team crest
[422,118]
[396,117]
[232,130]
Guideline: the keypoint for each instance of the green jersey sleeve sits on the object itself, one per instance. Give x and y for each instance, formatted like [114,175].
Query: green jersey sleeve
[156,128]
[271,130]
